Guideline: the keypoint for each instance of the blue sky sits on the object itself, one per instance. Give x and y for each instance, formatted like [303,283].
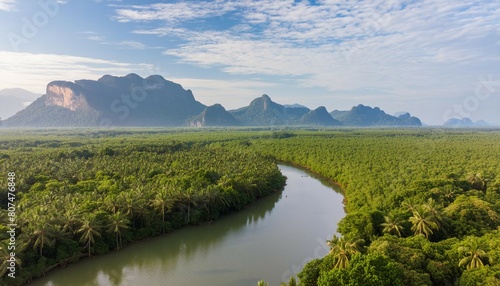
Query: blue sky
[436,59]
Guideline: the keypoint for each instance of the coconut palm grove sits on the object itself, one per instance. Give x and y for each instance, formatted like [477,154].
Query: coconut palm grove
[422,205]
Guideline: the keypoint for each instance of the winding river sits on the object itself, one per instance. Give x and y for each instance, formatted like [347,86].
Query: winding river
[270,240]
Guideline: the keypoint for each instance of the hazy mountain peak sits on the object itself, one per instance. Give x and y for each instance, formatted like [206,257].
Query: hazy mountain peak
[295,105]
[319,116]
[362,115]
[464,122]
[266,97]
[13,100]
[214,115]
[321,109]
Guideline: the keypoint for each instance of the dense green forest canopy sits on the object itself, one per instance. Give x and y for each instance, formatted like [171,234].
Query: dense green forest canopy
[423,205]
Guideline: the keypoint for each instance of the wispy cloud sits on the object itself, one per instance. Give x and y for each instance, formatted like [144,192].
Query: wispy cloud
[175,12]
[7,5]
[380,45]
[134,45]
[15,69]
[230,93]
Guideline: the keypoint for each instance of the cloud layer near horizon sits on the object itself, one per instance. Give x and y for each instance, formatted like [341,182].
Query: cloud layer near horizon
[49,67]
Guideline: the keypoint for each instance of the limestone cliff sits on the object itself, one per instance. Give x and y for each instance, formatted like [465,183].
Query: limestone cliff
[65,94]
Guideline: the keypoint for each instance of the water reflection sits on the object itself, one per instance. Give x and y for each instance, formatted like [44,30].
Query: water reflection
[238,249]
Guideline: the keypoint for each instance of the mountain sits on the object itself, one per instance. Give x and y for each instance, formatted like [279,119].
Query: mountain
[263,111]
[319,116]
[214,115]
[13,100]
[366,116]
[464,122]
[111,101]
[154,101]
[295,105]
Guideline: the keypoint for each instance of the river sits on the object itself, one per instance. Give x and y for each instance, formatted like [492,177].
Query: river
[270,240]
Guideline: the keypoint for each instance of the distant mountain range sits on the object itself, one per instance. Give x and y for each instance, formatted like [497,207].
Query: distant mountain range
[464,122]
[13,100]
[153,101]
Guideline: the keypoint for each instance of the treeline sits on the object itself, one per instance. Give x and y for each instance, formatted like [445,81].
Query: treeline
[423,206]
[82,197]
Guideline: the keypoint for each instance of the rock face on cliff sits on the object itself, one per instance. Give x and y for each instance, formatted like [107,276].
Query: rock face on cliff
[65,94]
[111,101]
[214,115]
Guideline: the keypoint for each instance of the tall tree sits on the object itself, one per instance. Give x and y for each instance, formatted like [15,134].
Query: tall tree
[342,250]
[423,224]
[474,255]
[43,234]
[89,230]
[117,223]
[163,201]
[190,197]
[392,225]
[435,213]
[477,181]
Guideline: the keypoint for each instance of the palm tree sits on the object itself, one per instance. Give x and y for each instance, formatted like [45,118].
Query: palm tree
[262,283]
[409,204]
[423,224]
[292,281]
[435,213]
[474,255]
[213,196]
[127,203]
[141,205]
[392,225]
[190,197]
[477,181]
[69,219]
[111,203]
[342,250]
[89,231]
[163,200]
[43,235]
[117,223]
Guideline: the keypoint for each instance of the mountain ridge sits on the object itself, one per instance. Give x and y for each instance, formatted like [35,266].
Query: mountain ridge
[13,100]
[154,101]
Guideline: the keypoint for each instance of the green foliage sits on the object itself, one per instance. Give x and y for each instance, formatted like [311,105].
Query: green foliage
[365,270]
[440,185]
[82,197]
[310,273]
[484,276]
[443,184]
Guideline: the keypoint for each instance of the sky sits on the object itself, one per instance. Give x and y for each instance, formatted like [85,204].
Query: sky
[436,59]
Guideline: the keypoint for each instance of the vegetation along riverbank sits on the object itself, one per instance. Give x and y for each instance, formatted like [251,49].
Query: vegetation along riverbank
[423,205]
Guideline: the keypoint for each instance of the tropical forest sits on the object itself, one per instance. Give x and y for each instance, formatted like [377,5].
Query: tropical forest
[422,206]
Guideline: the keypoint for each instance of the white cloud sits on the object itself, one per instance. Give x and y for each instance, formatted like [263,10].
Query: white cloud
[7,5]
[230,93]
[34,71]
[392,52]
[383,46]
[133,45]
[173,12]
